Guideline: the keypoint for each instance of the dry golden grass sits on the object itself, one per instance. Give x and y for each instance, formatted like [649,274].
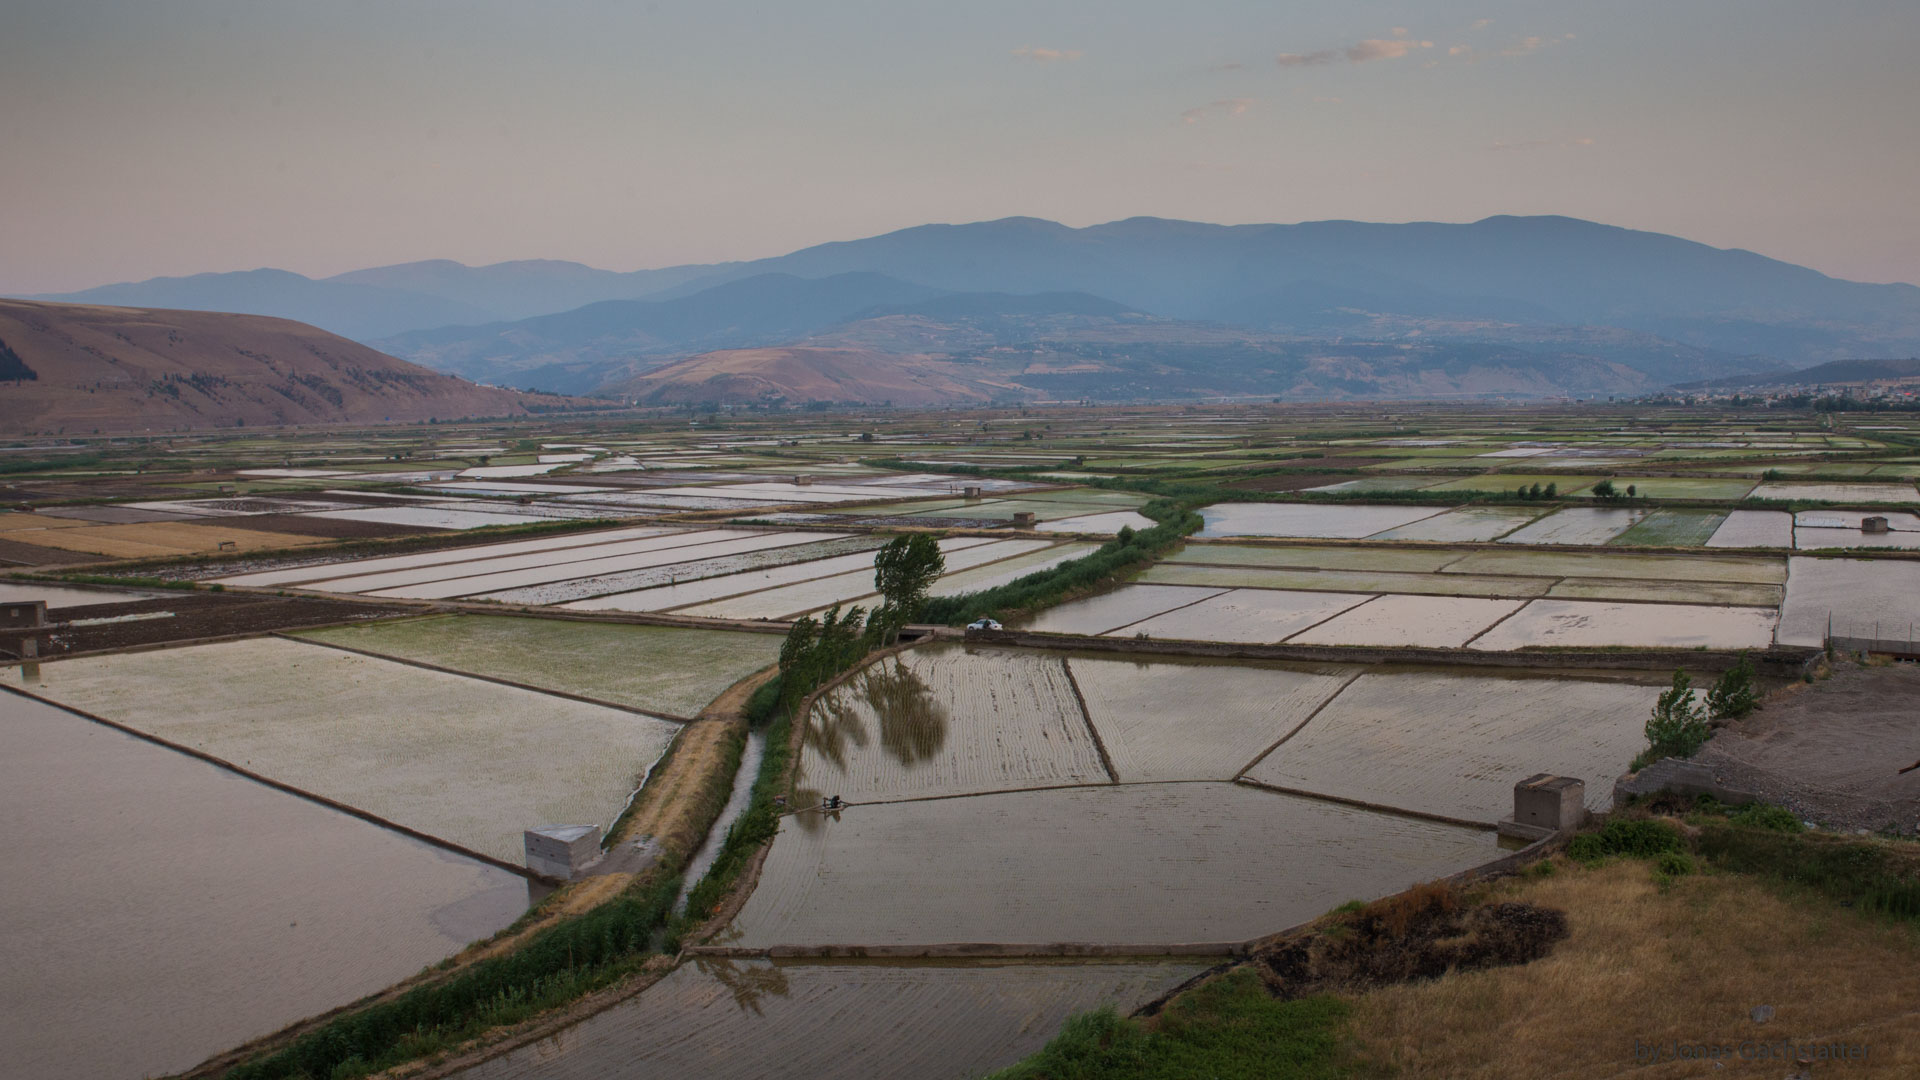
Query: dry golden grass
[14,521]
[1685,962]
[159,538]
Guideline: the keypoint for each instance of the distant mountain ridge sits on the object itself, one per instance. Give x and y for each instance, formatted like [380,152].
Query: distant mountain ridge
[1837,372]
[1658,307]
[72,368]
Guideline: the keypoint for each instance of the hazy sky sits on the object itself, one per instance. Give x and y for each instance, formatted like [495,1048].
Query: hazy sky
[147,137]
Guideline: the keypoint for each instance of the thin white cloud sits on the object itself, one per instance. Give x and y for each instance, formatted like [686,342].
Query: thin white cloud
[1042,54]
[1482,24]
[1223,107]
[1400,45]
[1384,49]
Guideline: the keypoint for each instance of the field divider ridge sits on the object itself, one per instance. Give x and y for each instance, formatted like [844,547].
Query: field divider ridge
[1362,804]
[1297,728]
[582,698]
[1086,714]
[281,785]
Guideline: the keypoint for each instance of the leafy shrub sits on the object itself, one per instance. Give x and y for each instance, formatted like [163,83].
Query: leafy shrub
[1640,839]
[1734,694]
[1766,816]
[1674,864]
[1678,725]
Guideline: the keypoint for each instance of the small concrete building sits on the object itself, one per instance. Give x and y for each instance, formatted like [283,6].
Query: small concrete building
[560,851]
[22,614]
[1025,519]
[1873,525]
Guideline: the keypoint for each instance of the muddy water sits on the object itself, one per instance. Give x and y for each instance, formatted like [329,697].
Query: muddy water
[751,755]
[720,1020]
[160,909]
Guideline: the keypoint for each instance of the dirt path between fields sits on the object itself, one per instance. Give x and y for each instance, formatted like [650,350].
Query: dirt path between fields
[670,809]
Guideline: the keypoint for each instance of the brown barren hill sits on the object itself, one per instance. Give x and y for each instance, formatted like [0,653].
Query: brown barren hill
[79,368]
[800,374]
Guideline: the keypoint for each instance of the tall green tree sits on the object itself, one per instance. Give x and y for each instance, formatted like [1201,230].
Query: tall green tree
[904,571]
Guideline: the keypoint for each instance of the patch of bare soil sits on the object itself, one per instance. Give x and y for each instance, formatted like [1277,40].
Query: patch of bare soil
[188,616]
[1423,933]
[15,553]
[332,528]
[1832,752]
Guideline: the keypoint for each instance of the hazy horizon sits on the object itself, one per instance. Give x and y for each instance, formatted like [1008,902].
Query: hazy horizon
[194,136]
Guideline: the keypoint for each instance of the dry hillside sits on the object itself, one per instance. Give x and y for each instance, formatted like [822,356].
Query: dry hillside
[75,368]
[799,374]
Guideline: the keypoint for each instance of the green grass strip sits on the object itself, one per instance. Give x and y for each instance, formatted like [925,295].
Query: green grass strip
[1227,1029]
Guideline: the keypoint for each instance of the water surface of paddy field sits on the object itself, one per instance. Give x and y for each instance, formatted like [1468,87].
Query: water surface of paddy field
[747,1019]
[1155,864]
[790,600]
[663,555]
[628,581]
[1112,610]
[1861,597]
[156,904]
[1454,745]
[1196,721]
[1757,569]
[1604,624]
[1331,521]
[663,669]
[687,593]
[949,720]
[1477,523]
[60,596]
[1000,573]
[1259,616]
[1738,594]
[1840,493]
[321,570]
[1437,622]
[1754,528]
[1445,584]
[1358,557]
[474,763]
[1110,522]
[1577,525]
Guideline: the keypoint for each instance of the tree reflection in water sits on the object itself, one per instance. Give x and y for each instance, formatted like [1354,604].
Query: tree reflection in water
[912,724]
[748,983]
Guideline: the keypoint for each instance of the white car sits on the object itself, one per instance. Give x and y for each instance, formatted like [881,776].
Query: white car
[983,624]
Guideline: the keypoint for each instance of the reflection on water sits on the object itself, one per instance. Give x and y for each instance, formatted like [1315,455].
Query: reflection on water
[184,909]
[748,983]
[911,724]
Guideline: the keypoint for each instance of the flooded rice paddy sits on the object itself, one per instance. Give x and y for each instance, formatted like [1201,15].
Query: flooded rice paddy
[1112,610]
[948,721]
[1435,622]
[792,600]
[1878,598]
[1157,864]
[1308,519]
[1603,624]
[1246,615]
[1196,721]
[471,762]
[1454,745]
[662,669]
[1577,525]
[746,1019]
[162,909]
[688,593]
[1754,528]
